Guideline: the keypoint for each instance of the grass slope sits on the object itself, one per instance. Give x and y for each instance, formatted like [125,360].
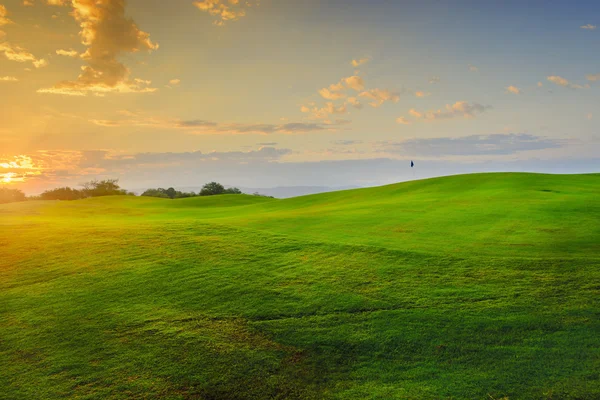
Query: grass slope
[473,286]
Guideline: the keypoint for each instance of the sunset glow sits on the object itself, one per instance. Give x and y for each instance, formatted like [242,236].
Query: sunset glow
[293,93]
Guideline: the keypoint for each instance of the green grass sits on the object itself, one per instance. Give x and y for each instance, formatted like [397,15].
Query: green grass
[483,286]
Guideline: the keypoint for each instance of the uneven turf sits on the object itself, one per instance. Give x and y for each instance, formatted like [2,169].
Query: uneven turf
[467,287]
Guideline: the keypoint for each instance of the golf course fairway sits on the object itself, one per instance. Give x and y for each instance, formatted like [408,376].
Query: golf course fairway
[482,286]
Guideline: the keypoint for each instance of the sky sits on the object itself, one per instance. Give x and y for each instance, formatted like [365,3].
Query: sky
[287,93]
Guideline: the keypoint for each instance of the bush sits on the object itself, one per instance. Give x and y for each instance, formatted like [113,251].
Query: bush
[212,189]
[108,187]
[11,195]
[155,193]
[64,193]
[215,188]
[169,193]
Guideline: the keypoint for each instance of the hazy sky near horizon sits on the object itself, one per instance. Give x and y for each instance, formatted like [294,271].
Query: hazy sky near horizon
[289,92]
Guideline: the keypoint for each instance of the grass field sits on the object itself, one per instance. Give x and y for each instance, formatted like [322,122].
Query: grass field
[483,286]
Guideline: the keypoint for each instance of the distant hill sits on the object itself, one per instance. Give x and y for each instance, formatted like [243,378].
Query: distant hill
[280,192]
[284,192]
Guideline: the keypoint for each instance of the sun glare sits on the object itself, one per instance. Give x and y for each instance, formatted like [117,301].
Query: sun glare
[17,168]
[7,178]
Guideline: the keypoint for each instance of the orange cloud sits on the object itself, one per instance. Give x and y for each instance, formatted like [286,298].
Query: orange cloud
[67,53]
[222,10]
[560,81]
[360,61]
[380,96]
[19,54]
[18,168]
[331,95]
[513,89]
[107,33]
[460,109]
[354,82]
[3,16]
[593,77]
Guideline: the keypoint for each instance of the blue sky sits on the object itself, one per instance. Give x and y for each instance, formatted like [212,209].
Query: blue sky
[459,86]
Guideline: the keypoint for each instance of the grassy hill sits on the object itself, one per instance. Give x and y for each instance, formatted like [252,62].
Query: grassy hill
[465,287]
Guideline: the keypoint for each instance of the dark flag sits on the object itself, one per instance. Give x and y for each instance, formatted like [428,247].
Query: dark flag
[412,164]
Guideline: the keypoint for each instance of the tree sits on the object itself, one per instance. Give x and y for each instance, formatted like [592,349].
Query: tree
[172,193]
[11,195]
[107,187]
[155,193]
[211,189]
[183,195]
[64,193]
[233,190]
[169,193]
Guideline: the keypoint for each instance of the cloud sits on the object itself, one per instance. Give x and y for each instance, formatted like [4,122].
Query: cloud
[4,16]
[17,168]
[68,53]
[593,77]
[434,79]
[335,91]
[460,109]
[13,52]
[513,90]
[354,82]
[473,68]
[19,54]
[360,61]
[195,124]
[40,63]
[336,87]
[223,11]
[203,127]
[339,91]
[107,33]
[380,96]
[588,27]
[31,3]
[346,142]
[560,81]
[420,93]
[175,82]
[265,153]
[324,112]
[331,95]
[497,144]
[73,167]
[353,101]
[8,79]
[540,84]
[402,121]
